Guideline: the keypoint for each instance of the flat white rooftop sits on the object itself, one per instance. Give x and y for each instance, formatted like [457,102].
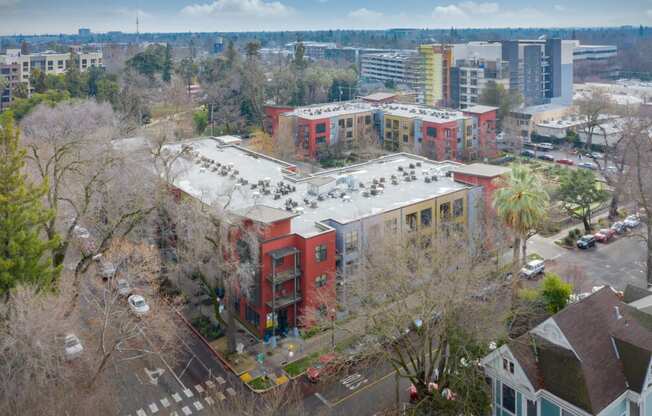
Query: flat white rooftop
[424,113]
[207,174]
[336,109]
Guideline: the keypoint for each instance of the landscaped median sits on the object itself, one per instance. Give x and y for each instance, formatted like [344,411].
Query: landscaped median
[262,384]
[297,368]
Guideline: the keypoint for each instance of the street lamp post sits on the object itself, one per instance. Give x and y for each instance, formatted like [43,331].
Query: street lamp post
[333,329]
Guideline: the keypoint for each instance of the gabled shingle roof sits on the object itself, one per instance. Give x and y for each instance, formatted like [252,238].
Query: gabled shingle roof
[634,293]
[592,374]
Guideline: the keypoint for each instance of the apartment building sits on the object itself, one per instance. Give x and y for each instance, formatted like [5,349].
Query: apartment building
[17,67]
[313,229]
[315,128]
[593,52]
[436,63]
[312,50]
[400,68]
[540,70]
[439,134]
[592,358]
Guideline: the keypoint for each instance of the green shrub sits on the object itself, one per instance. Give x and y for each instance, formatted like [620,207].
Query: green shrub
[555,292]
[261,383]
[207,329]
[298,367]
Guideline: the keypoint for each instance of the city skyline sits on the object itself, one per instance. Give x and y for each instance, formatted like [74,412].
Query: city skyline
[66,16]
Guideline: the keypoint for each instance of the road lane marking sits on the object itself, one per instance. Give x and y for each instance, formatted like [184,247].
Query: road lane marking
[230,391]
[210,384]
[188,393]
[141,412]
[186,410]
[165,402]
[153,407]
[199,388]
[220,380]
[391,373]
[198,405]
[323,399]
[221,396]
[176,397]
[210,401]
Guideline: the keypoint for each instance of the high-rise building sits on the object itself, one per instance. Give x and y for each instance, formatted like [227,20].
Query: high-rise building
[436,62]
[541,70]
[84,32]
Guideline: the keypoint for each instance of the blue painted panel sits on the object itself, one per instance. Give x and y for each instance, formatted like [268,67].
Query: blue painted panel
[648,404]
[497,392]
[618,409]
[549,409]
[519,404]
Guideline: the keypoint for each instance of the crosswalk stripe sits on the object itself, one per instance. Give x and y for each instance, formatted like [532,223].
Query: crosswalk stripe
[199,388]
[230,391]
[188,393]
[198,405]
[141,412]
[153,408]
[186,410]
[210,384]
[209,400]
[220,380]
[220,396]
[165,402]
[176,397]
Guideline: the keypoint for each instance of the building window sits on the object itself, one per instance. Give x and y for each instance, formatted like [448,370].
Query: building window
[458,208]
[508,366]
[388,124]
[395,124]
[388,134]
[431,131]
[469,130]
[509,399]
[391,226]
[252,316]
[426,217]
[405,138]
[320,253]
[349,122]
[445,211]
[320,128]
[367,120]
[349,134]
[340,122]
[279,262]
[447,133]
[322,310]
[321,280]
[531,408]
[411,221]
[321,140]
[351,241]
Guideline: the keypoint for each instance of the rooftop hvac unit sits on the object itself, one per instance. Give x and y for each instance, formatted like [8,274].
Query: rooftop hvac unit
[299,210]
[428,179]
[255,194]
[414,177]
[366,194]
[435,178]
[394,181]
[346,198]
[313,204]
[418,164]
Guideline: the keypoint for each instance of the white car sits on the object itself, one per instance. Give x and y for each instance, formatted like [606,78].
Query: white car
[533,268]
[72,347]
[123,287]
[632,221]
[138,305]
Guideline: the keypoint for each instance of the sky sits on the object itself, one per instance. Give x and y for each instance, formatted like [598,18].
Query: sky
[66,16]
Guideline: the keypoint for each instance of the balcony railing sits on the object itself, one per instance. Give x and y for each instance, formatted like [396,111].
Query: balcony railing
[283,301]
[283,276]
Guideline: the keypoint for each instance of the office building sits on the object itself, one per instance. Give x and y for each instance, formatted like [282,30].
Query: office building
[397,68]
[313,229]
[312,50]
[593,52]
[540,70]
[84,32]
[527,118]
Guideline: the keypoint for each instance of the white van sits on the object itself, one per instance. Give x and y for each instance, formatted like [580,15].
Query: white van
[546,146]
[532,268]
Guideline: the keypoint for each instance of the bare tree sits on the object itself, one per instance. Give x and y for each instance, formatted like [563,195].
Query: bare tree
[592,108]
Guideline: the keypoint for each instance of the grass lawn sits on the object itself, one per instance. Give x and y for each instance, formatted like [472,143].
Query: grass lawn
[261,383]
[297,367]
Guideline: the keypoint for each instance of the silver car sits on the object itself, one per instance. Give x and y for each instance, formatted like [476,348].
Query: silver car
[72,347]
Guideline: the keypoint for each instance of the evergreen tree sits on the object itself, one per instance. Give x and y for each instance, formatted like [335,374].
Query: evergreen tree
[167,64]
[23,252]
[73,77]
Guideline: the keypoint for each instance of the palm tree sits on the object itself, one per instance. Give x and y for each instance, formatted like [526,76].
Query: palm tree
[521,203]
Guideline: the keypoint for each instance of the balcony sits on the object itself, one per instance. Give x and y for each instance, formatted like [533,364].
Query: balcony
[283,301]
[284,276]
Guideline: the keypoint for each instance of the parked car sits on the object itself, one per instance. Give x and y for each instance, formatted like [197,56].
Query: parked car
[632,221]
[565,162]
[323,366]
[586,241]
[528,153]
[80,232]
[107,270]
[138,305]
[586,165]
[546,146]
[72,347]
[532,268]
[619,227]
[596,155]
[547,157]
[604,235]
[123,287]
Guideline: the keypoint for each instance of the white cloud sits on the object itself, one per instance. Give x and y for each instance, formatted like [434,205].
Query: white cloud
[649,13]
[238,7]
[466,8]
[559,7]
[127,12]
[365,14]
[7,3]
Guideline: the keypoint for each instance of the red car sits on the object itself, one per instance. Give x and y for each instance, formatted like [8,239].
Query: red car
[565,162]
[321,367]
[604,235]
